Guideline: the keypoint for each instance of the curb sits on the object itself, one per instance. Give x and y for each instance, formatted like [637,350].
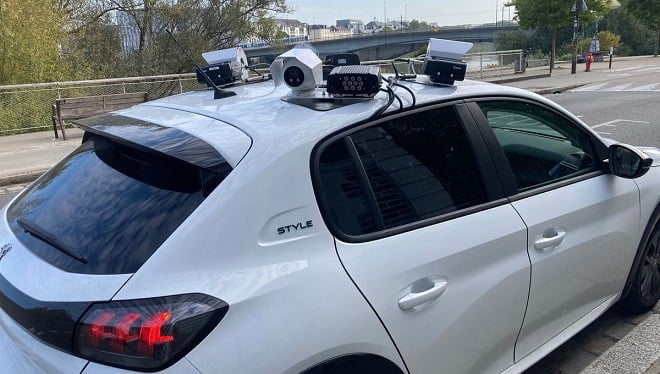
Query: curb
[519,78]
[557,90]
[26,177]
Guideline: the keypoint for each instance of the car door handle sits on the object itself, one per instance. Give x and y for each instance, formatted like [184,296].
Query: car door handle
[550,238]
[413,299]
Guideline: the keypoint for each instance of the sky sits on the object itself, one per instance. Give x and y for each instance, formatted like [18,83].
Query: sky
[444,12]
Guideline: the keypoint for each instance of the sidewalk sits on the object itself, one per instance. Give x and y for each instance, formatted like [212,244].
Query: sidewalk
[24,157]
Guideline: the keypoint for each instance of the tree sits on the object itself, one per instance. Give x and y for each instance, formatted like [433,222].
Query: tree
[648,12]
[414,25]
[555,14]
[29,35]
[636,37]
[509,40]
[201,25]
[94,50]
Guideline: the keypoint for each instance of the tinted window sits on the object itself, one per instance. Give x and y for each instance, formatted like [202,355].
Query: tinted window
[540,146]
[398,172]
[108,203]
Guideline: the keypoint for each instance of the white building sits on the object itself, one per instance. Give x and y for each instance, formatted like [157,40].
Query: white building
[291,27]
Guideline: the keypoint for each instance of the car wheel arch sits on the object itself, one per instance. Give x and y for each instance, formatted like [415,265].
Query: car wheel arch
[651,225]
[355,364]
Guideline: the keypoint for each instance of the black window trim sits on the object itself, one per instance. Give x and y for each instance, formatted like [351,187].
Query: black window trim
[494,191]
[501,164]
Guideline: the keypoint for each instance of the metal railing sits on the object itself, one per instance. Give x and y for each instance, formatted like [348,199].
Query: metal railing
[487,64]
[479,65]
[27,107]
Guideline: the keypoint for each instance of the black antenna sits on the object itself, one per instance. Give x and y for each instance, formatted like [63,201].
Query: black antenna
[218,93]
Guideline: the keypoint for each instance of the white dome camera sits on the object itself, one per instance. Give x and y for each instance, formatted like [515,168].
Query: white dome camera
[300,69]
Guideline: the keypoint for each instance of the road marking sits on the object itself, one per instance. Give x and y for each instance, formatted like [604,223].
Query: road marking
[620,87]
[620,75]
[611,123]
[603,133]
[630,68]
[648,87]
[592,87]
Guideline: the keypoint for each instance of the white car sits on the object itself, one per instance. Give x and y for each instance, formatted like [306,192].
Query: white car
[467,228]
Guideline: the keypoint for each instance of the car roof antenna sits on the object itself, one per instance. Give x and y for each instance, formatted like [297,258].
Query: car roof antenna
[218,93]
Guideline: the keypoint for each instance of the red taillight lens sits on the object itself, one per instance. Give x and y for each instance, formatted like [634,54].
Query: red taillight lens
[147,334]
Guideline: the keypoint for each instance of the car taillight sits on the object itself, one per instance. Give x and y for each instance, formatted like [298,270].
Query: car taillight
[146,334]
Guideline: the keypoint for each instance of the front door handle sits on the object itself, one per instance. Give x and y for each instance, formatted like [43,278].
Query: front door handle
[413,299]
[550,238]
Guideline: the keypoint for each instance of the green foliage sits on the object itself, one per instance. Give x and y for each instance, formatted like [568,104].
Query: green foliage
[94,51]
[29,35]
[647,12]
[200,25]
[414,25]
[607,39]
[554,15]
[509,40]
[532,14]
[636,37]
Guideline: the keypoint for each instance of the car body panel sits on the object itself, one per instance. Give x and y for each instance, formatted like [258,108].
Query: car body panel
[22,353]
[232,143]
[270,280]
[600,219]
[483,259]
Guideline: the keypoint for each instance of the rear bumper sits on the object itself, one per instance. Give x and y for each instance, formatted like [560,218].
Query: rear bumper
[20,352]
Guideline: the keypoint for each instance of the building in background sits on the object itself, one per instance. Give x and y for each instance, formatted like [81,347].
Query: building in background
[356,26]
[291,27]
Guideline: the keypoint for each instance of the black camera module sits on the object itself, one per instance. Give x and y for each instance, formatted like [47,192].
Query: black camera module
[294,76]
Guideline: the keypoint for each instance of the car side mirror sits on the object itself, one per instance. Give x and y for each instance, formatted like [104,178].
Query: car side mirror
[628,162]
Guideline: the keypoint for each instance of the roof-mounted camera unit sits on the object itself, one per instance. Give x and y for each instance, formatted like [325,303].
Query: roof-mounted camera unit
[444,61]
[338,59]
[354,81]
[342,59]
[225,66]
[300,69]
[218,93]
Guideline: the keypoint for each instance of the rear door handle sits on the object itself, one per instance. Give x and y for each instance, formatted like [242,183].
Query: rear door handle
[550,238]
[413,299]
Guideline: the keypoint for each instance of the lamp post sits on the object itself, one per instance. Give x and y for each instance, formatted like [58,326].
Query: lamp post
[576,30]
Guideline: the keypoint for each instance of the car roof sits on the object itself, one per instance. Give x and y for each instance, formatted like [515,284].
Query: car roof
[258,109]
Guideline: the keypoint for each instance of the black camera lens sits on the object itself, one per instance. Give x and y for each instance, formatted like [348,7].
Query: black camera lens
[294,76]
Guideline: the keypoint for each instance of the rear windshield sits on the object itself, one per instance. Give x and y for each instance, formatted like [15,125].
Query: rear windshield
[108,206]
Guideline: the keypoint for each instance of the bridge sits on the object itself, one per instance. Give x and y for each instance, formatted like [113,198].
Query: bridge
[384,45]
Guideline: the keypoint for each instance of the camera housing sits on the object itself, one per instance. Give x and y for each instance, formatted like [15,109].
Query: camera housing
[300,69]
[444,61]
[225,66]
[354,81]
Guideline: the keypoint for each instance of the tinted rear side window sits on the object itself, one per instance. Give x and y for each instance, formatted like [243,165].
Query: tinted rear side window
[402,171]
[110,203]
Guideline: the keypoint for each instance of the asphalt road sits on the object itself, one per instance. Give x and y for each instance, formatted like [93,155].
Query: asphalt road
[625,108]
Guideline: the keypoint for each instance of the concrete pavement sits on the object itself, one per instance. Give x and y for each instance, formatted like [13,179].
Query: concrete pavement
[24,157]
